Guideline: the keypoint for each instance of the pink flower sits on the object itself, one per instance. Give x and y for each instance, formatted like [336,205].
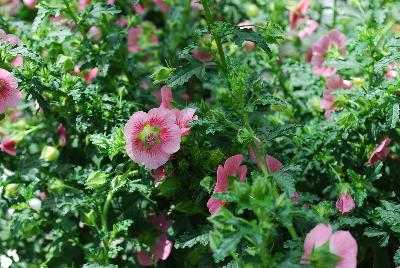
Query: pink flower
[232,168]
[183,117]
[122,22]
[197,5]
[30,3]
[345,203]
[139,9]
[391,71]
[380,152]
[62,135]
[159,174]
[273,164]
[111,2]
[10,7]
[333,43]
[9,95]
[162,6]
[133,38]
[334,82]
[152,137]
[341,243]
[310,27]
[94,33]
[201,54]
[144,84]
[17,62]
[92,74]
[154,39]
[8,146]
[166,97]
[295,197]
[83,4]
[297,13]
[161,250]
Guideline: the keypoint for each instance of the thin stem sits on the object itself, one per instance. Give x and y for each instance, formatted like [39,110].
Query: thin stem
[210,22]
[105,211]
[70,12]
[334,13]
[292,232]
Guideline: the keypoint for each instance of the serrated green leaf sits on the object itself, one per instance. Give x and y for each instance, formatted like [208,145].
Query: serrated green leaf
[184,73]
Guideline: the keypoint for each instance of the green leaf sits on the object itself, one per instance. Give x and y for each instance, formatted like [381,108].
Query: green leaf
[373,232]
[394,118]
[189,240]
[242,35]
[396,257]
[110,145]
[96,265]
[96,180]
[285,180]
[184,73]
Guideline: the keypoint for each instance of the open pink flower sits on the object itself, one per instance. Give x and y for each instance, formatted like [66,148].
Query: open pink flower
[8,146]
[232,168]
[139,9]
[162,6]
[162,248]
[391,71]
[30,3]
[83,4]
[334,82]
[341,243]
[183,117]
[333,43]
[152,137]
[380,152]
[133,39]
[309,28]
[92,74]
[9,95]
[201,54]
[297,13]
[345,203]
[17,62]
[197,5]
[62,135]
[111,2]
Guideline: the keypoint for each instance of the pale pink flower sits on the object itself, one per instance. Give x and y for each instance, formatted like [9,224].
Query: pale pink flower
[166,97]
[139,9]
[273,164]
[62,135]
[341,243]
[17,62]
[309,28]
[8,146]
[297,14]
[30,3]
[122,22]
[111,2]
[322,46]
[201,54]
[144,85]
[334,82]
[42,195]
[197,5]
[83,4]
[380,152]
[162,248]
[9,94]
[152,137]
[232,168]
[345,203]
[133,38]
[162,6]
[183,117]
[92,74]
[391,71]
[94,33]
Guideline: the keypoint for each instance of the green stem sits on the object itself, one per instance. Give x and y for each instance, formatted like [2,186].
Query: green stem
[334,13]
[292,232]
[105,211]
[211,24]
[70,12]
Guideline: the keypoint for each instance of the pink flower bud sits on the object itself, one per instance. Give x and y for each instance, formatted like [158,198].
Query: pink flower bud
[8,146]
[345,203]
[62,135]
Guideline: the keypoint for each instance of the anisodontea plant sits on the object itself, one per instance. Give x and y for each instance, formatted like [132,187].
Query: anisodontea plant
[179,133]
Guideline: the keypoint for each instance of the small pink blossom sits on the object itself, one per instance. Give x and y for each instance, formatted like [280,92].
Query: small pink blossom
[17,62]
[92,74]
[341,243]
[123,22]
[62,135]
[322,47]
[159,174]
[166,97]
[160,222]
[197,5]
[297,14]
[345,203]
[30,3]
[154,39]
[162,6]
[232,168]
[8,146]
[152,137]
[42,195]
[94,33]
[139,9]
[133,38]
[111,2]
[334,82]
[83,4]
[9,94]
[380,152]
[391,71]
[295,197]
[309,28]
[201,54]
[144,85]
[183,117]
